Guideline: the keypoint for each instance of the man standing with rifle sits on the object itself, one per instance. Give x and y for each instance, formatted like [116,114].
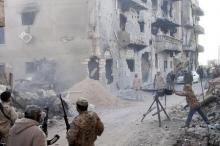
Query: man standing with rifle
[85,127]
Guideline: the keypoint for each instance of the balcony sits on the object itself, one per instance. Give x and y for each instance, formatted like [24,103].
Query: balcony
[199,29]
[136,41]
[188,48]
[200,49]
[136,4]
[197,11]
[167,43]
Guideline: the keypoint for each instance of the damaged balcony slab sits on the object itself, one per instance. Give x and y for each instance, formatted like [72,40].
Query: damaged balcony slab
[136,4]
[189,48]
[200,48]
[135,41]
[167,43]
[199,29]
[197,11]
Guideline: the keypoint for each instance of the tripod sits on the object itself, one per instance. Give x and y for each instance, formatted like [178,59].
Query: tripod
[159,109]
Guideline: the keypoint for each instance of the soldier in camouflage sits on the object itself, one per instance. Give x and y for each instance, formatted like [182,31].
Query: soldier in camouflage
[193,104]
[85,127]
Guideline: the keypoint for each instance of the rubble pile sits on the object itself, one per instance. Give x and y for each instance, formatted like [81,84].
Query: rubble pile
[93,90]
[42,98]
[200,134]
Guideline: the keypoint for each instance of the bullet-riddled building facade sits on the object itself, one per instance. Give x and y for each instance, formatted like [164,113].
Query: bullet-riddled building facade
[107,40]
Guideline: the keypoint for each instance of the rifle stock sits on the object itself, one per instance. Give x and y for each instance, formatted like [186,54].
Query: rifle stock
[64,114]
[44,125]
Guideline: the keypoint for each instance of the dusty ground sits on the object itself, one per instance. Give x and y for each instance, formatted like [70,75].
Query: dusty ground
[123,126]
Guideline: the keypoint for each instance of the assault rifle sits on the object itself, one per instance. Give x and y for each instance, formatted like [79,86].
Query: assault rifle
[64,113]
[44,128]
[65,116]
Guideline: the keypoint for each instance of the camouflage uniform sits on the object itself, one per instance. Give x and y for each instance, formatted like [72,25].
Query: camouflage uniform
[5,124]
[193,104]
[84,129]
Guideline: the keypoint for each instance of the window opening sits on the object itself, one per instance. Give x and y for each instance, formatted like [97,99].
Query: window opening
[130,63]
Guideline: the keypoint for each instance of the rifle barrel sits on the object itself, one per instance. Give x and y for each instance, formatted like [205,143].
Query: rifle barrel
[64,114]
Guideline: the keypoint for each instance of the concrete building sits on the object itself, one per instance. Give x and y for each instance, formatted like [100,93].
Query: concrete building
[55,30]
[107,40]
[191,13]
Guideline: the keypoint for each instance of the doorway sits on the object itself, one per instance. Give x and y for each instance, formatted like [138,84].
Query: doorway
[145,67]
[108,71]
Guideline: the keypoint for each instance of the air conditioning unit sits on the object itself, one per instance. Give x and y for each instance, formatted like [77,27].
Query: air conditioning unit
[26,37]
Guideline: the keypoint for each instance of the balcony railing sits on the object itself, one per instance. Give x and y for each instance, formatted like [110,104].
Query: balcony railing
[167,43]
[199,29]
[136,41]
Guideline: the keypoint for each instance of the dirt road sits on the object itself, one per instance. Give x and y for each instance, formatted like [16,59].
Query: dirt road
[123,126]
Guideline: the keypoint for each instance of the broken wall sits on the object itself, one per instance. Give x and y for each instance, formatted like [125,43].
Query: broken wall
[59,32]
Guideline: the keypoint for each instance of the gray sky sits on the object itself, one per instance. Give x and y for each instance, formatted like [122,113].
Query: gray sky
[211,23]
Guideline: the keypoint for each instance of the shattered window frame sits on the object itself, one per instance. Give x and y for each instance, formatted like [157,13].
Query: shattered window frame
[131,64]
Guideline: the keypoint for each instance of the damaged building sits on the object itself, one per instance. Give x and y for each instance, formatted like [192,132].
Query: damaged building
[144,36]
[107,40]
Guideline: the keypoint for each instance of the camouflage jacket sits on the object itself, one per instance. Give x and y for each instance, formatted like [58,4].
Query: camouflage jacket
[84,129]
[191,99]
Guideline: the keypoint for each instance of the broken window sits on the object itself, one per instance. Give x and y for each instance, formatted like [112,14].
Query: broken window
[123,21]
[164,7]
[187,54]
[171,64]
[2,35]
[145,67]
[141,24]
[31,67]
[171,10]
[93,66]
[165,65]
[108,70]
[154,4]
[28,18]
[156,60]
[130,63]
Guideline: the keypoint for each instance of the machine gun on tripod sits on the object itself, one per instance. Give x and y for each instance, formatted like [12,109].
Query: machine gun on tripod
[159,106]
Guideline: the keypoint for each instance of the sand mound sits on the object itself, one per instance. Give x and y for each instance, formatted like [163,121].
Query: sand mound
[93,91]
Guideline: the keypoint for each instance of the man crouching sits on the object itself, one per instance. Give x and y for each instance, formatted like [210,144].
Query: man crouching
[85,127]
[25,131]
